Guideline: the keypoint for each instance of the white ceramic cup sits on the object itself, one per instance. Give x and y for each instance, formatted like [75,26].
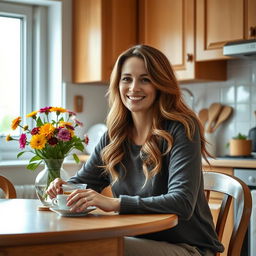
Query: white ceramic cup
[61,201]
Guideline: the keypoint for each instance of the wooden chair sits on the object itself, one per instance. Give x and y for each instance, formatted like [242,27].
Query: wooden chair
[7,187]
[234,189]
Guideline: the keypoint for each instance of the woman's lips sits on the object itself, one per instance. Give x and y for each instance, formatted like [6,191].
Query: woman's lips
[135,97]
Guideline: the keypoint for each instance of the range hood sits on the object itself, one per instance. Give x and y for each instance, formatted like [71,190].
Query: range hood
[241,49]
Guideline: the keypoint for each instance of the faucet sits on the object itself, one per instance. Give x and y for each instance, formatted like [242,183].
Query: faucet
[191,95]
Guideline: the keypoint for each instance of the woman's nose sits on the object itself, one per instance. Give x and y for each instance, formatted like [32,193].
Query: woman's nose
[134,86]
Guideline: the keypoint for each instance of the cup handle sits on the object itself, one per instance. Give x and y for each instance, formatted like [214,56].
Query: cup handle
[55,201]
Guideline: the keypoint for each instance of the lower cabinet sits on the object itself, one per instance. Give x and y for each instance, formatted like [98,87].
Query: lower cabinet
[215,204]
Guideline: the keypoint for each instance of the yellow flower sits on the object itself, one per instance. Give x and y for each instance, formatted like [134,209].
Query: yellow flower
[47,130]
[32,114]
[63,124]
[15,123]
[38,141]
[8,137]
[57,109]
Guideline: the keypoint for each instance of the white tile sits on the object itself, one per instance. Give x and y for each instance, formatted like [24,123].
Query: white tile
[242,93]
[242,113]
[253,92]
[243,128]
[227,95]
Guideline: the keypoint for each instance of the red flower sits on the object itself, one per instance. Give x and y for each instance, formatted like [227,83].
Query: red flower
[23,140]
[53,141]
[86,139]
[35,131]
[45,110]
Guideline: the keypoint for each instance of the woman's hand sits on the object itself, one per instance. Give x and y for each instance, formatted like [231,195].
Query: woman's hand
[81,199]
[55,187]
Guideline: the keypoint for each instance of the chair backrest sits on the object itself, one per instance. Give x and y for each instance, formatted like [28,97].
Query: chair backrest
[234,189]
[7,187]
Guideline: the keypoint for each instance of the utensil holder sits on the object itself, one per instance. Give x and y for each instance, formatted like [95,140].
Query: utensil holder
[211,146]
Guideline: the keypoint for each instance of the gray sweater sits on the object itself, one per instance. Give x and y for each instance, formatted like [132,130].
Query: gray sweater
[177,189]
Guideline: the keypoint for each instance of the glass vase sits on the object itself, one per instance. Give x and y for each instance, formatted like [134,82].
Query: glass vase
[53,169]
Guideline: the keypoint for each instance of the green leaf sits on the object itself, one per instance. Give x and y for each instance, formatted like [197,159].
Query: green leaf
[20,154]
[79,146]
[39,122]
[33,166]
[76,158]
[35,158]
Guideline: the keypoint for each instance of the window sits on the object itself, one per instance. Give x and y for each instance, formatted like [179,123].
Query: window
[37,66]
[15,64]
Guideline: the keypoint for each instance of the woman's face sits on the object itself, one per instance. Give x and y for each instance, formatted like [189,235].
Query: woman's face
[136,89]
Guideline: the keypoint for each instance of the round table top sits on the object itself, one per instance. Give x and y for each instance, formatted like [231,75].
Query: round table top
[23,223]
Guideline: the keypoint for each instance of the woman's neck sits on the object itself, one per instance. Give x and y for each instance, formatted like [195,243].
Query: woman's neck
[142,127]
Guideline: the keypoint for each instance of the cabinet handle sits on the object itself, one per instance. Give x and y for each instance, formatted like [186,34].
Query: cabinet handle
[252,31]
[189,57]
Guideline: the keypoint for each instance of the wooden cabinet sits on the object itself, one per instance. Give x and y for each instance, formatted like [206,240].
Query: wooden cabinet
[169,26]
[222,21]
[215,203]
[101,31]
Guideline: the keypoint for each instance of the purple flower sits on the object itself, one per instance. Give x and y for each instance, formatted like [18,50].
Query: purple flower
[53,141]
[71,113]
[64,134]
[45,110]
[35,131]
[78,122]
[70,127]
[23,140]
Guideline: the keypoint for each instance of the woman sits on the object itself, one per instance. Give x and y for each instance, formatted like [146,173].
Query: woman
[151,154]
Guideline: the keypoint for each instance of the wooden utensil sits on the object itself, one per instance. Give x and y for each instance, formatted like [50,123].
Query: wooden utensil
[213,113]
[203,116]
[225,113]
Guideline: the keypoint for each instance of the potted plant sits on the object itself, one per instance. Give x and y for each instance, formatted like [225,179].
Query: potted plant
[240,145]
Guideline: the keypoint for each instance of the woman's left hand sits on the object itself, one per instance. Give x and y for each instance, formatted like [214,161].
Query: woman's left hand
[81,199]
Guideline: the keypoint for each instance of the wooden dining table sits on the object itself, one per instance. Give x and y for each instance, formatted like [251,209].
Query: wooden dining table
[24,230]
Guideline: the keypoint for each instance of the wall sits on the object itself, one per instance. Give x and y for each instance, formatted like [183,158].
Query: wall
[239,91]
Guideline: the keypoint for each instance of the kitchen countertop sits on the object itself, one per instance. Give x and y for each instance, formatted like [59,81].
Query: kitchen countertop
[218,162]
[232,162]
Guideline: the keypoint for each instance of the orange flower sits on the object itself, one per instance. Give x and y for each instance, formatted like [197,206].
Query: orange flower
[15,123]
[8,138]
[38,141]
[47,130]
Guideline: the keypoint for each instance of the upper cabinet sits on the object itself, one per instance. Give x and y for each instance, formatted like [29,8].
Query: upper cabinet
[222,21]
[169,25]
[101,31]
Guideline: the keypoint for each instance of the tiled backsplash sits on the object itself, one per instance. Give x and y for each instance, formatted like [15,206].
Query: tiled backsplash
[239,91]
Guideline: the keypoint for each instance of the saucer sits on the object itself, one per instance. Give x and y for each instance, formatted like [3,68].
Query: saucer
[68,213]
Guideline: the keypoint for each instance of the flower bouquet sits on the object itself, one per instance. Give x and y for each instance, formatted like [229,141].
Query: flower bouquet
[50,140]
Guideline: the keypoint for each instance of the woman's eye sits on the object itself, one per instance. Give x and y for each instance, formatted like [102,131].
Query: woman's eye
[126,79]
[146,80]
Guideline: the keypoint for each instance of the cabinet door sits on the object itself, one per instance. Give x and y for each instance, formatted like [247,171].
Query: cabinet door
[215,204]
[219,22]
[101,31]
[169,26]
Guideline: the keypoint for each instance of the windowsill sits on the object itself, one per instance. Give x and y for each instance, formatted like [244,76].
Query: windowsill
[10,163]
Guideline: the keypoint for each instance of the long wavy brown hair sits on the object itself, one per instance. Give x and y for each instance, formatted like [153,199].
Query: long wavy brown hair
[169,104]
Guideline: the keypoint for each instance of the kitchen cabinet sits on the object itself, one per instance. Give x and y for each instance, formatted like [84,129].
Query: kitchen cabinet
[101,31]
[215,203]
[222,21]
[169,26]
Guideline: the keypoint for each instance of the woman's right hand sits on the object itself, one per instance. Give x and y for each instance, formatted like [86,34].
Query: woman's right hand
[55,187]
